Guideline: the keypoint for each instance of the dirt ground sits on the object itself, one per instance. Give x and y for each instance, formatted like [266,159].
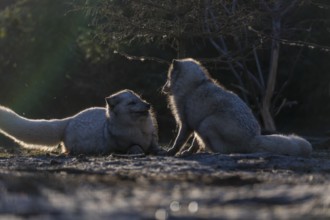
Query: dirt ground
[201,186]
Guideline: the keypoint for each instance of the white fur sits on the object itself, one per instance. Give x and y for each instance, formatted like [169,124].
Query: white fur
[128,122]
[219,118]
[26,131]
[282,144]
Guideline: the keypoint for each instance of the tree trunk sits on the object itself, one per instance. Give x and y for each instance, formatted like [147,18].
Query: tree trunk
[266,115]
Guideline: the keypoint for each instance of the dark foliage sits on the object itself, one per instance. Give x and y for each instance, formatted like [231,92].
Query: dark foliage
[58,57]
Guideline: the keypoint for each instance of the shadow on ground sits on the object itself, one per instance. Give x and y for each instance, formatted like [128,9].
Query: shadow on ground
[202,186]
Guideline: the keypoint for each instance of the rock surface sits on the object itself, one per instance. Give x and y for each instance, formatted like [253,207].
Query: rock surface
[201,186]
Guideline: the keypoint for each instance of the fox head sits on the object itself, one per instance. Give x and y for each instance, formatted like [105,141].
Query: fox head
[185,72]
[127,104]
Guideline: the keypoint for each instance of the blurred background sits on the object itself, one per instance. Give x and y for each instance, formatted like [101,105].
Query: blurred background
[59,57]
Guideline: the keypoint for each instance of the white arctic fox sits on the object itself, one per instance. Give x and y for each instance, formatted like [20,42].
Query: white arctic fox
[126,125]
[219,119]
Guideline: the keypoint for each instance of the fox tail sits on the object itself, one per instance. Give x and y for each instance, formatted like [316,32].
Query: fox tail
[32,133]
[281,144]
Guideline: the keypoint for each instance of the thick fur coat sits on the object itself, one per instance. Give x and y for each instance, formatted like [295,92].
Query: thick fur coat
[126,125]
[218,118]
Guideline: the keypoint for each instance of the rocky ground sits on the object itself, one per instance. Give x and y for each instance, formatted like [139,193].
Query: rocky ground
[201,186]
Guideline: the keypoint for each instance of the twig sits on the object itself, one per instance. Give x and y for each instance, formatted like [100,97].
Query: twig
[142,58]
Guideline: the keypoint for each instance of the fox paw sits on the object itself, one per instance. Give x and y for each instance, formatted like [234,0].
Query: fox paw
[135,149]
[185,153]
[160,152]
[171,152]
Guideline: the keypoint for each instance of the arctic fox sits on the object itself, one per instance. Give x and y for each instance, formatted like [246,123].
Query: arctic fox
[126,125]
[218,118]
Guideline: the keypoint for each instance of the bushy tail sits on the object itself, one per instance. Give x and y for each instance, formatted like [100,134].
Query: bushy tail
[281,144]
[31,133]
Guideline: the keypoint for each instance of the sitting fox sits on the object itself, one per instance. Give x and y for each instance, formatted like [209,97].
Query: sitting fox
[219,119]
[126,125]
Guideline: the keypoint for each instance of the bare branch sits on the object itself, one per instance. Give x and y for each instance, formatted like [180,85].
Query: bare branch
[266,6]
[234,6]
[289,7]
[142,58]
[260,74]
[225,8]
[284,104]
[295,43]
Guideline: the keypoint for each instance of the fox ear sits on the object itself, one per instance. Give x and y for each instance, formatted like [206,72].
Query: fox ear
[112,101]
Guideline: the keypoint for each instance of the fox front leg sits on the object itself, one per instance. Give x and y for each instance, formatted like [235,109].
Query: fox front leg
[155,149]
[183,136]
[192,149]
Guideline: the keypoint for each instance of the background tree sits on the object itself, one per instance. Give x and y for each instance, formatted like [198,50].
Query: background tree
[243,36]
[259,83]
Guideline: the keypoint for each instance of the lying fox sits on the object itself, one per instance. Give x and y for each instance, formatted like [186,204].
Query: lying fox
[125,125]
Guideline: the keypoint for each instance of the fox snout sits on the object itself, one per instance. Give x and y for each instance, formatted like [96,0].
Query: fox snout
[141,108]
